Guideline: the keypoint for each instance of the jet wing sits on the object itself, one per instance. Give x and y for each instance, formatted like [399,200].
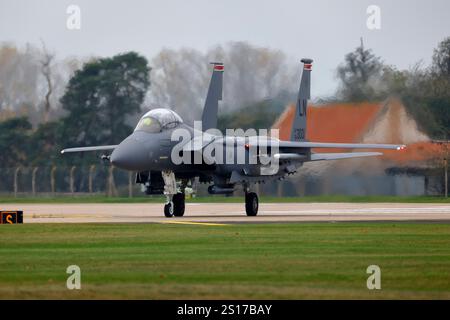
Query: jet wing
[94,148]
[294,144]
[268,141]
[294,156]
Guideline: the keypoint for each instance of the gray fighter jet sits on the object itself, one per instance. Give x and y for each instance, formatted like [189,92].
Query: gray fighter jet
[161,139]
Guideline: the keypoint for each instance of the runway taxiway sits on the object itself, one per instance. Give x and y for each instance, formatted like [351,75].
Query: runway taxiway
[222,213]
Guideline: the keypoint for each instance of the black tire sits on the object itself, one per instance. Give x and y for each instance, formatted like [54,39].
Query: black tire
[179,204]
[251,204]
[169,209]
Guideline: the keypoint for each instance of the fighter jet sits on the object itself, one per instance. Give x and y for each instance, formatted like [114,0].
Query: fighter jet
[168,155]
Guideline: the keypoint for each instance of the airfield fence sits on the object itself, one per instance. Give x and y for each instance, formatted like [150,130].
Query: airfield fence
[73,180]
[110,181]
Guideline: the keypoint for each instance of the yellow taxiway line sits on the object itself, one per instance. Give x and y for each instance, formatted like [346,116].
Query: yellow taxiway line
[195,223]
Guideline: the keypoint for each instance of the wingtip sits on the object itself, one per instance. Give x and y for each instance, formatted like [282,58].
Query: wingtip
[402,147]
[62,151]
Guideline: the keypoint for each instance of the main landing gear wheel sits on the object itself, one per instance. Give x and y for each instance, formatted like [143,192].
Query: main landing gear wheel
[251,204]
[179,204]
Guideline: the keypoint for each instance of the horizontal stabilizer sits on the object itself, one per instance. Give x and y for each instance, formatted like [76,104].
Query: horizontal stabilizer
[290,156]
[83,149]
[337,156]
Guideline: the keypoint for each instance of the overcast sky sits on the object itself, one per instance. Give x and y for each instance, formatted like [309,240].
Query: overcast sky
[322,30]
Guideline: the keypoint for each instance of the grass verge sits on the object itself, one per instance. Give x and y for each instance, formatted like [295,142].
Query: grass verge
[243,261]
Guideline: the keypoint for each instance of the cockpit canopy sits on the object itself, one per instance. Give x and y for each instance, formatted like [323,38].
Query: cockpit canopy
[157,120]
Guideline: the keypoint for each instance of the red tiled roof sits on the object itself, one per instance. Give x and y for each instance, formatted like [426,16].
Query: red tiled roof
[347,122]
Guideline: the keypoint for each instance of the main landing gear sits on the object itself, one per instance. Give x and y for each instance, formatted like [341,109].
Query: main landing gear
[251,203]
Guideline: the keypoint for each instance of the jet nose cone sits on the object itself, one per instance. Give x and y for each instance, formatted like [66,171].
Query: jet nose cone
[129,155]
[117,157]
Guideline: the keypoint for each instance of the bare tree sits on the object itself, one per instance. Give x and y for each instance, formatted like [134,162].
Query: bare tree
[180,77]
[358,73]
[441,58]
[46,70]
[179,81]
[19,71]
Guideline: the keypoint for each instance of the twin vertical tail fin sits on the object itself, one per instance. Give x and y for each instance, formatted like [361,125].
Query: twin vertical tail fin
[214,95]
[209,116]
[298,132]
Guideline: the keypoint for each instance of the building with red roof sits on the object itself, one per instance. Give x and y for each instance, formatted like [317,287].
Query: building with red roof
[416,170]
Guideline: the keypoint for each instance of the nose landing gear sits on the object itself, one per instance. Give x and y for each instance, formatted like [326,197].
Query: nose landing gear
[168,209]
[179,204]
[175,203]
[176,206]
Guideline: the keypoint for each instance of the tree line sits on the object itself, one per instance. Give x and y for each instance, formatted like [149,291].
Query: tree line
[362,77]
[97,102]
[46,105]
[425,91]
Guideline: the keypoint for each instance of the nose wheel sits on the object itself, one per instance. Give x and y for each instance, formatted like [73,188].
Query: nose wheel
[176,206]
[251,204]
[179,204]
[168,209]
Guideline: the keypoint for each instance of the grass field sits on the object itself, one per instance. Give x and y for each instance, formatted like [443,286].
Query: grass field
[223,199]
[239,261]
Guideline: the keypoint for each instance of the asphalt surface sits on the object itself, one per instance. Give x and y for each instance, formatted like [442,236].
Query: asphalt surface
[211,213]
